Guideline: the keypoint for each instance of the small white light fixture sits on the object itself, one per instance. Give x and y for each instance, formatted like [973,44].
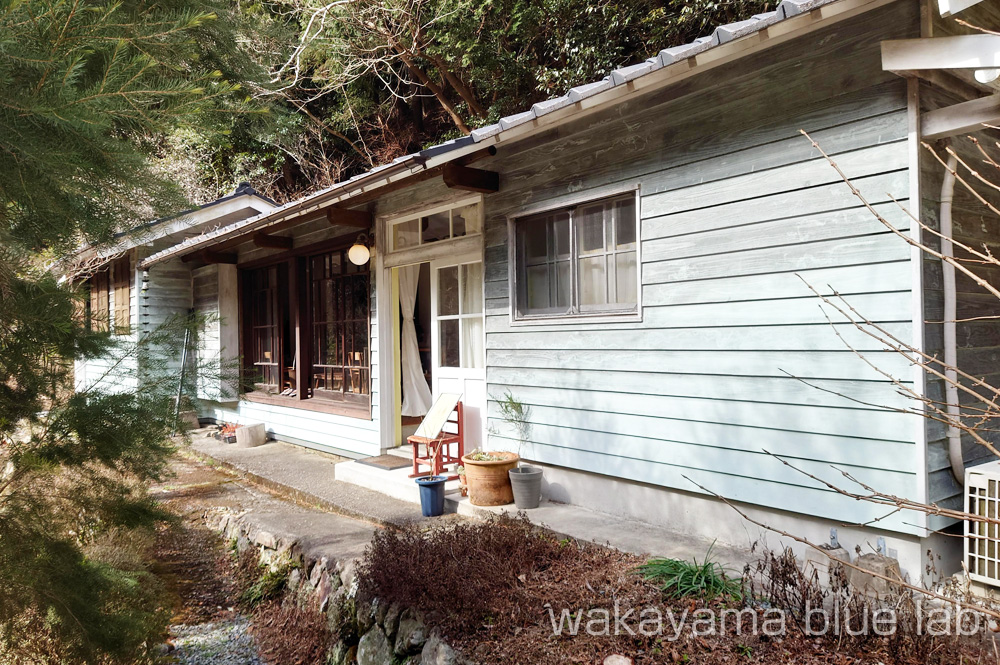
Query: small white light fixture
[987,75]
[359,253]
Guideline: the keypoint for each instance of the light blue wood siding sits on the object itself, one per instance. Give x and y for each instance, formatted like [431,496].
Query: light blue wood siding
[734,356]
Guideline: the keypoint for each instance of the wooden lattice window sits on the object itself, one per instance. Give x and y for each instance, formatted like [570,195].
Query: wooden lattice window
[99,301]
[266,318]
[339,298]
[121,274]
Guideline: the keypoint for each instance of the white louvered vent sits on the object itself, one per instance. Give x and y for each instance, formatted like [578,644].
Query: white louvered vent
[982,539]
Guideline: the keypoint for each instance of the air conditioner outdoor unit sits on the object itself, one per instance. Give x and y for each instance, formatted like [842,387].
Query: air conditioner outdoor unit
[982,539]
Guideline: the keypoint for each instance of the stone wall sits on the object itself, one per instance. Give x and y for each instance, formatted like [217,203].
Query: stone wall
[367,631]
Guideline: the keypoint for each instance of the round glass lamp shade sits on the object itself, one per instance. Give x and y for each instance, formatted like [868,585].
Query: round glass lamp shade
[358,254]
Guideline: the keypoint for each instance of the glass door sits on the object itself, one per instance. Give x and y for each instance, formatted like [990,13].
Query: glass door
[458,339]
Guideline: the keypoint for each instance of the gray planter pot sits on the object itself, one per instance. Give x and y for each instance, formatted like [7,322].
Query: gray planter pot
[526,481]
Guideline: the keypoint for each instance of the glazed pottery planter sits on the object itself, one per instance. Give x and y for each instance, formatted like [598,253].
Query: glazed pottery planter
[489,482]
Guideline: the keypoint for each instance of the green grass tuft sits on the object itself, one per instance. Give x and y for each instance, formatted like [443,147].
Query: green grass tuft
[681,579]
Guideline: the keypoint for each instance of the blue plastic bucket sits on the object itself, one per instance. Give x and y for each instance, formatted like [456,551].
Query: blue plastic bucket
[431,495]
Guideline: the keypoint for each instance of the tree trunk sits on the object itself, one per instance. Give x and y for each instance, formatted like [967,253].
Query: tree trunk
[459,85]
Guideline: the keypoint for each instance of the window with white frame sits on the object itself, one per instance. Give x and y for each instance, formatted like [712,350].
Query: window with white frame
[577,261]
[435,226]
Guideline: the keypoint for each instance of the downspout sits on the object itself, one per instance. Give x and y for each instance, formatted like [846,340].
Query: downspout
[950,315]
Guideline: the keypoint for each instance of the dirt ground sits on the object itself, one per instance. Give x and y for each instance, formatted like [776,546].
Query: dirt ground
[206,626]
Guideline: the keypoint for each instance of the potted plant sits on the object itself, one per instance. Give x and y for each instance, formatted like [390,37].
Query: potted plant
[487,477]
[525,480]
[463,486]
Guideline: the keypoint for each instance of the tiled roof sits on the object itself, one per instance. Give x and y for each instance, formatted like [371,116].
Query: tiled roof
[619,77]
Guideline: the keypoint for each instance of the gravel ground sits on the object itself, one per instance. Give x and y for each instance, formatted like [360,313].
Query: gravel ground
[196,569]
[224,642]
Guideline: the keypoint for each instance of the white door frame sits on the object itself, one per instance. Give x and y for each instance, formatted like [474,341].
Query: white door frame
[387,307]
[462,374]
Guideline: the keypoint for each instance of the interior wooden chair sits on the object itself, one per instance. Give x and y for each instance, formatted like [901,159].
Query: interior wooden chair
[441,447]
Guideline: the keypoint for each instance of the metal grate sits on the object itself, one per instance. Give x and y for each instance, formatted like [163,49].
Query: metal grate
[982,539]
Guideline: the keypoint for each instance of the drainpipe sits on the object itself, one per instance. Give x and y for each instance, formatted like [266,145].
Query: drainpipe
[950,314]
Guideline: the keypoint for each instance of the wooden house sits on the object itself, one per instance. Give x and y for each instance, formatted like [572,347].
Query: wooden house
[635,260]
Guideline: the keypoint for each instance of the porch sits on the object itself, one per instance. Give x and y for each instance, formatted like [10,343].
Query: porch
[390,497]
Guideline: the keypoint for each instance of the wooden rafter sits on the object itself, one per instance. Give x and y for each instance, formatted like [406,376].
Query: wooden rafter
[272,241]
[965,117]
[346,217]
[468,178]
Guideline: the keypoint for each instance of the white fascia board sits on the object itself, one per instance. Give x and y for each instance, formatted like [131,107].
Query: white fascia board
[955,52]
[949,7]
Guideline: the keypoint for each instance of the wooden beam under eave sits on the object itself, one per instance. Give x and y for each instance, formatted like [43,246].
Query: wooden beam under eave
[960,118]
[346,217]
[208,256]
[953,52]
[474,180]
[457,176]
[272,241]
[950,7]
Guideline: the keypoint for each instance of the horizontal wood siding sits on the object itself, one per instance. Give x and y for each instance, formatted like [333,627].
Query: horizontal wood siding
[734,356]
[977,334]
[205,282]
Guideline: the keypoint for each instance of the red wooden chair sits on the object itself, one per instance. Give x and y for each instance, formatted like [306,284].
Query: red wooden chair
[441,447]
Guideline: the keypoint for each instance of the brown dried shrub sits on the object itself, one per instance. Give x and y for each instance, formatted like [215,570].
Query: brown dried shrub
[284,633]
[494,576]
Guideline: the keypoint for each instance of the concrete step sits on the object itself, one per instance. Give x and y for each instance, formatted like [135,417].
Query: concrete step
[395,483]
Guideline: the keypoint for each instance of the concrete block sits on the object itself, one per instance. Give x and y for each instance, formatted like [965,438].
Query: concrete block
[189,419]
[825,563]
[251,436]
[876,563]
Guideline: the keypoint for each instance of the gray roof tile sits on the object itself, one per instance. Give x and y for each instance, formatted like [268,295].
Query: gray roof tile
[484,133]
[588,89]
[626,74]
[731,31]
[516,119]
[676,53]
[550,105]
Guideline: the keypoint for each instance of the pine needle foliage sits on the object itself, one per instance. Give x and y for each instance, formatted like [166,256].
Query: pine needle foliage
[90,88]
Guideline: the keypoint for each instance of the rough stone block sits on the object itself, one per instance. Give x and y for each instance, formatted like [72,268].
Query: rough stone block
[391,622]
[374,648]
[881,565]
[437,652]
[251,436]
[348,573]
[826,563]
[411,635]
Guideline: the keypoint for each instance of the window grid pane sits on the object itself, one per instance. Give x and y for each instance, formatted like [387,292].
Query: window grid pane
[340,318]
[587,264]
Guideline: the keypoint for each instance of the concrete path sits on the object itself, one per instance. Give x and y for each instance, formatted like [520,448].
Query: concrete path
[310,478]
[305,476]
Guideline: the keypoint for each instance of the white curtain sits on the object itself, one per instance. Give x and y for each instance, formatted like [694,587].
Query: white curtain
[472,327]
[416,394]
